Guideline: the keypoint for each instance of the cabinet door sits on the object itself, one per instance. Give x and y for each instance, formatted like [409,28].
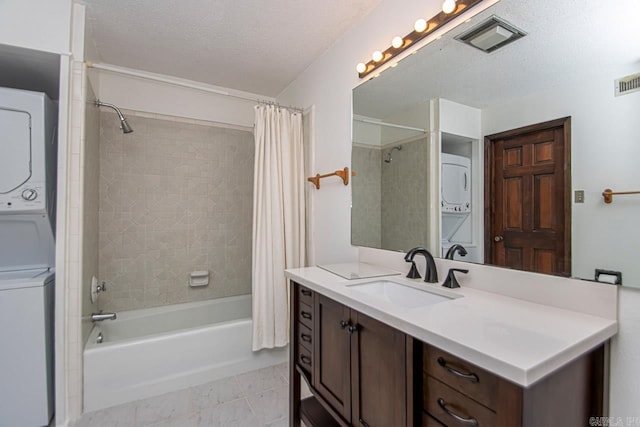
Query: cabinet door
[331,348]
[378,373]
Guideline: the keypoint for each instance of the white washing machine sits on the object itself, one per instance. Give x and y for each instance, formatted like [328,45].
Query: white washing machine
[26,353]
[28,153]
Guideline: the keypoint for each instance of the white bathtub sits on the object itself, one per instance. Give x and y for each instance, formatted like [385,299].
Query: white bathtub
[154,351]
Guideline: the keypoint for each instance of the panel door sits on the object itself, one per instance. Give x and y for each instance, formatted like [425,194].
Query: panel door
[528,199]
[378,373]
[332,354]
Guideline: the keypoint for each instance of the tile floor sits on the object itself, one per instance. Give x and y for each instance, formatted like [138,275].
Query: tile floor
[254,399]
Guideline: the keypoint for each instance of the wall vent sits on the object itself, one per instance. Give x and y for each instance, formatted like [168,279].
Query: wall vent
[627,84]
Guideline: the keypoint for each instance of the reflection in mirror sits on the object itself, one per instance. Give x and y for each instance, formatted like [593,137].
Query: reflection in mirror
[493,151]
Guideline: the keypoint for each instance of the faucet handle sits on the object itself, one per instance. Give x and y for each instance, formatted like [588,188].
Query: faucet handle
[413,272]
[102,287]
[451,281]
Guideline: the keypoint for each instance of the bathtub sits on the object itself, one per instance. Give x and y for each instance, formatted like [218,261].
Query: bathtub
[154,351]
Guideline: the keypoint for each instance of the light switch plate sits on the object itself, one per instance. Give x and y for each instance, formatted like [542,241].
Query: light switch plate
[579,196]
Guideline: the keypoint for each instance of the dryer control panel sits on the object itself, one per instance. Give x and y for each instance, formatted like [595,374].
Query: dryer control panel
[25,199]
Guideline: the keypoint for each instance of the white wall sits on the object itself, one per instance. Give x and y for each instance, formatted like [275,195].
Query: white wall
[138,94]
[327,84]
[36,24]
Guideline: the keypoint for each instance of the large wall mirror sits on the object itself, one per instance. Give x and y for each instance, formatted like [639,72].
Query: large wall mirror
[507,152]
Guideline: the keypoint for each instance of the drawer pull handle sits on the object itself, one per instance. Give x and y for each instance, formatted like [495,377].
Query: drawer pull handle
[306,337]
[471,377]
[305,360]
[305,292]
[363,423]
[305,315]
[468,421]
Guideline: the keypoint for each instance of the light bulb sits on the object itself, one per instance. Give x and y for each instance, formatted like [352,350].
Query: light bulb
[448,6]
[377,56]
[420,25]
[397,42]
[361,68]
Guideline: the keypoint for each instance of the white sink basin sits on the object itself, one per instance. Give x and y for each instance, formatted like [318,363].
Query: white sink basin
[400,294]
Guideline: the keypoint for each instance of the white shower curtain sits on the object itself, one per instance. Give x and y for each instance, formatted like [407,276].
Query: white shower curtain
[278,220]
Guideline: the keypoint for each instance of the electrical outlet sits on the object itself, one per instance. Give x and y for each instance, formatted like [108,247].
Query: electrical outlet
[579,196]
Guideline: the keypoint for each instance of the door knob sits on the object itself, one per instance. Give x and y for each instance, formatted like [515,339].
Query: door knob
[498,239]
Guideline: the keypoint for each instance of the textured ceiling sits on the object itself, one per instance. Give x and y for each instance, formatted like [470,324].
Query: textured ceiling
[567,40]
[258,46]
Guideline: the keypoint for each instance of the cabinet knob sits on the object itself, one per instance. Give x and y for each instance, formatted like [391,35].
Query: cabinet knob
[498,239]
[353,328]
[343,324]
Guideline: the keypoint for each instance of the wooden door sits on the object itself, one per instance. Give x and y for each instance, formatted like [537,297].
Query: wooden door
[332,369]
[378,373]
[528,198]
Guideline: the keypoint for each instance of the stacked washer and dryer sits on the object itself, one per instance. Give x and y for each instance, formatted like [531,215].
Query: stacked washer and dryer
[28,150]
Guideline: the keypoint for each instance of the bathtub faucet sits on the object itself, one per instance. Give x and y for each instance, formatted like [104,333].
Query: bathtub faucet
[99,317]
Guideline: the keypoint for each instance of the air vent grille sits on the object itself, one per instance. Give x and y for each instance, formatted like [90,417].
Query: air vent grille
[627,84]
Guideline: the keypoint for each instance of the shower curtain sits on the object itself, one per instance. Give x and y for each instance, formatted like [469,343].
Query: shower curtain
[278,220]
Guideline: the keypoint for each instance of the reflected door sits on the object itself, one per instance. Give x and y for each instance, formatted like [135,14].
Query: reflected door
[527,198]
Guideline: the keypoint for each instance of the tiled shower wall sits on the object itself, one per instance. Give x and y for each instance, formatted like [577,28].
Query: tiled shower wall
[390,199]
[366,206]
[175,197]
[404,197]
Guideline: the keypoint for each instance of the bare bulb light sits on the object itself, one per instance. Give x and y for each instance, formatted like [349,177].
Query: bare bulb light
[361,68]
[420,25]
[397,42]
[448,6]
[377,56]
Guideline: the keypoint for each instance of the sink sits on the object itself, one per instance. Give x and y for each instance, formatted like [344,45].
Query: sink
[403,295]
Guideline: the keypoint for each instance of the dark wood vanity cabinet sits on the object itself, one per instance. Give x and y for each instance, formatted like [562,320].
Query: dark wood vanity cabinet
[359,374]
[458,393]
[363,373]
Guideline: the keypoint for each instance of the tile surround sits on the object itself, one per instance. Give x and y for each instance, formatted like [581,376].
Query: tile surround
[175,197]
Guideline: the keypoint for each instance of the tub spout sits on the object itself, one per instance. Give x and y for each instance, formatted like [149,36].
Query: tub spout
[99,317]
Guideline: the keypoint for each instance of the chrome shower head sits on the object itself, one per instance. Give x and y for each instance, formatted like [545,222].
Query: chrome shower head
[124,125]
[388,159]
[126,128]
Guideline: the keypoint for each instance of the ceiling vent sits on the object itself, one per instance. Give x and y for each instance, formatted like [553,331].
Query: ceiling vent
[491,34]
[627,84]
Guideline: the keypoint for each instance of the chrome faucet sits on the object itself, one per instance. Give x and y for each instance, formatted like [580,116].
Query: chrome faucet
[431,273]
[455,248]
[99,317]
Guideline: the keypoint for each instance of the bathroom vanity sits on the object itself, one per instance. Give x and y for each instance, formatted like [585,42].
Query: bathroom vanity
[374,352]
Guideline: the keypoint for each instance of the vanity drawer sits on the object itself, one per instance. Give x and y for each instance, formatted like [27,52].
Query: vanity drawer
[452,408]
[305,315]
[305,295]
[305,336]
[305,360]
[468,379]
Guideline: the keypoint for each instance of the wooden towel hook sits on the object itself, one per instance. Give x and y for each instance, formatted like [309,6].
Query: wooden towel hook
[344,174]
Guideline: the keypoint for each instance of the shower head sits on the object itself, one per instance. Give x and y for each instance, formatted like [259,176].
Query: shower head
[124,125]
[388,159]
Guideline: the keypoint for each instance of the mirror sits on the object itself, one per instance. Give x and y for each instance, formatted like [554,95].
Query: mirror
[416,124]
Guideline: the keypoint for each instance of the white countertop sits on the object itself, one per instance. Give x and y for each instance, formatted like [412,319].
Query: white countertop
[518,340]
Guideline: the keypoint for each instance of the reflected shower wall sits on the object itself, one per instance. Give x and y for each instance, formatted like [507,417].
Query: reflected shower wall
[175,197]
[390,198]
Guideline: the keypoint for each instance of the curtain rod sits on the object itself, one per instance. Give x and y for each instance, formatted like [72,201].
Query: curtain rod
[176,82]
[391,125]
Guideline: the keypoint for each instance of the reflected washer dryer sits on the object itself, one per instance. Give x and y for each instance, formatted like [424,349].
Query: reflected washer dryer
[28,169]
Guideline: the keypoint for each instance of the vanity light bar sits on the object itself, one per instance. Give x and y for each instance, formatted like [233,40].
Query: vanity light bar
[421,31]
